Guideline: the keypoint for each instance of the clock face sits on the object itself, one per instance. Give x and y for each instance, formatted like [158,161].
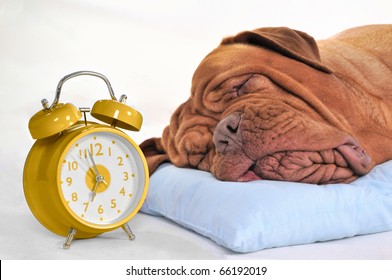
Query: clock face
[102,178]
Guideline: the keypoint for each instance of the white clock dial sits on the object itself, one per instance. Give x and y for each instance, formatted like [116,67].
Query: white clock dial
[102,178]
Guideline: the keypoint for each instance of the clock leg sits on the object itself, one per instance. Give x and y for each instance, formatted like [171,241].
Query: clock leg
[69,239]
[128,231]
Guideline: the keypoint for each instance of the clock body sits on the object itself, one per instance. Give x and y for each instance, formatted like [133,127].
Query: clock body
[90,177]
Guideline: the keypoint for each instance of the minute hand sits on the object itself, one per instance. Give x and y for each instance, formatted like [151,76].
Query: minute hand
[94,165]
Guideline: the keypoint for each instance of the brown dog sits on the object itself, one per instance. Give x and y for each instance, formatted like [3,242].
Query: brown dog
[272,104]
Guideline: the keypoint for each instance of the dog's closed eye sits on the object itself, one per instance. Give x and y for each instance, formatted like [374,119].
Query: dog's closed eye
[250,83]
[257,84]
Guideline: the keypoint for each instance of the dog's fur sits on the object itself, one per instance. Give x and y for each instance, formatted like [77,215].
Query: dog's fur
[273,103]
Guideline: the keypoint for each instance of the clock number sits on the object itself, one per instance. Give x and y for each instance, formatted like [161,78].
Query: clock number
[85,206]
[122,191]
[100,209]
[74,196]
[81,153]
[99,152]
[73,165]
[109,151]
[98,148]
[126,177]
[69,181]
[113,203]
[120,161]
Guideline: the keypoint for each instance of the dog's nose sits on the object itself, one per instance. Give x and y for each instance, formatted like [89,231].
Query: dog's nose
[227,135]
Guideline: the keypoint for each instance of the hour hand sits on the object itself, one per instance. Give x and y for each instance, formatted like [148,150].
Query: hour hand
[94,191]
[98,179]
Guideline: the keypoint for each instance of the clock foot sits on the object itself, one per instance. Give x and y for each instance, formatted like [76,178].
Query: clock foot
[128,231]
[69,239]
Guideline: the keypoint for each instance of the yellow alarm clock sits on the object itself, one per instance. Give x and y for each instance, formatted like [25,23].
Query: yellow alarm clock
[82,178]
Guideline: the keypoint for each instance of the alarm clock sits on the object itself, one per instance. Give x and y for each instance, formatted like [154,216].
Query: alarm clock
[83,178]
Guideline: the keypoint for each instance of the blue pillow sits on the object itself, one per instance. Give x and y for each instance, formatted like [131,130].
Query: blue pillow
[247,217]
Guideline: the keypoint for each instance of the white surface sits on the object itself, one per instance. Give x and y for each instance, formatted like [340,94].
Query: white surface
[148,50]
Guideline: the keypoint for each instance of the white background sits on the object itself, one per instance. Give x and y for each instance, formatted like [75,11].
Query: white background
[149,51]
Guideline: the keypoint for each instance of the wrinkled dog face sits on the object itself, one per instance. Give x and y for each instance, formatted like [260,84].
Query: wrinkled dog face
[244,122]
[269,134]
[259,131]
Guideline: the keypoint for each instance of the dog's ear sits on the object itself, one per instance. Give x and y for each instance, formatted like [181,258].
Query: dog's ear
[154,152]
[291,43]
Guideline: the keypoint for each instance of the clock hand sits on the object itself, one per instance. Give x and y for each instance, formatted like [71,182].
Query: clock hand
[94,192]
[94,165]
[98,179]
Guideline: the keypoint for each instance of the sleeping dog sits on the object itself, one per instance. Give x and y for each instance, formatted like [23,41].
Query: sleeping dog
[273,103]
